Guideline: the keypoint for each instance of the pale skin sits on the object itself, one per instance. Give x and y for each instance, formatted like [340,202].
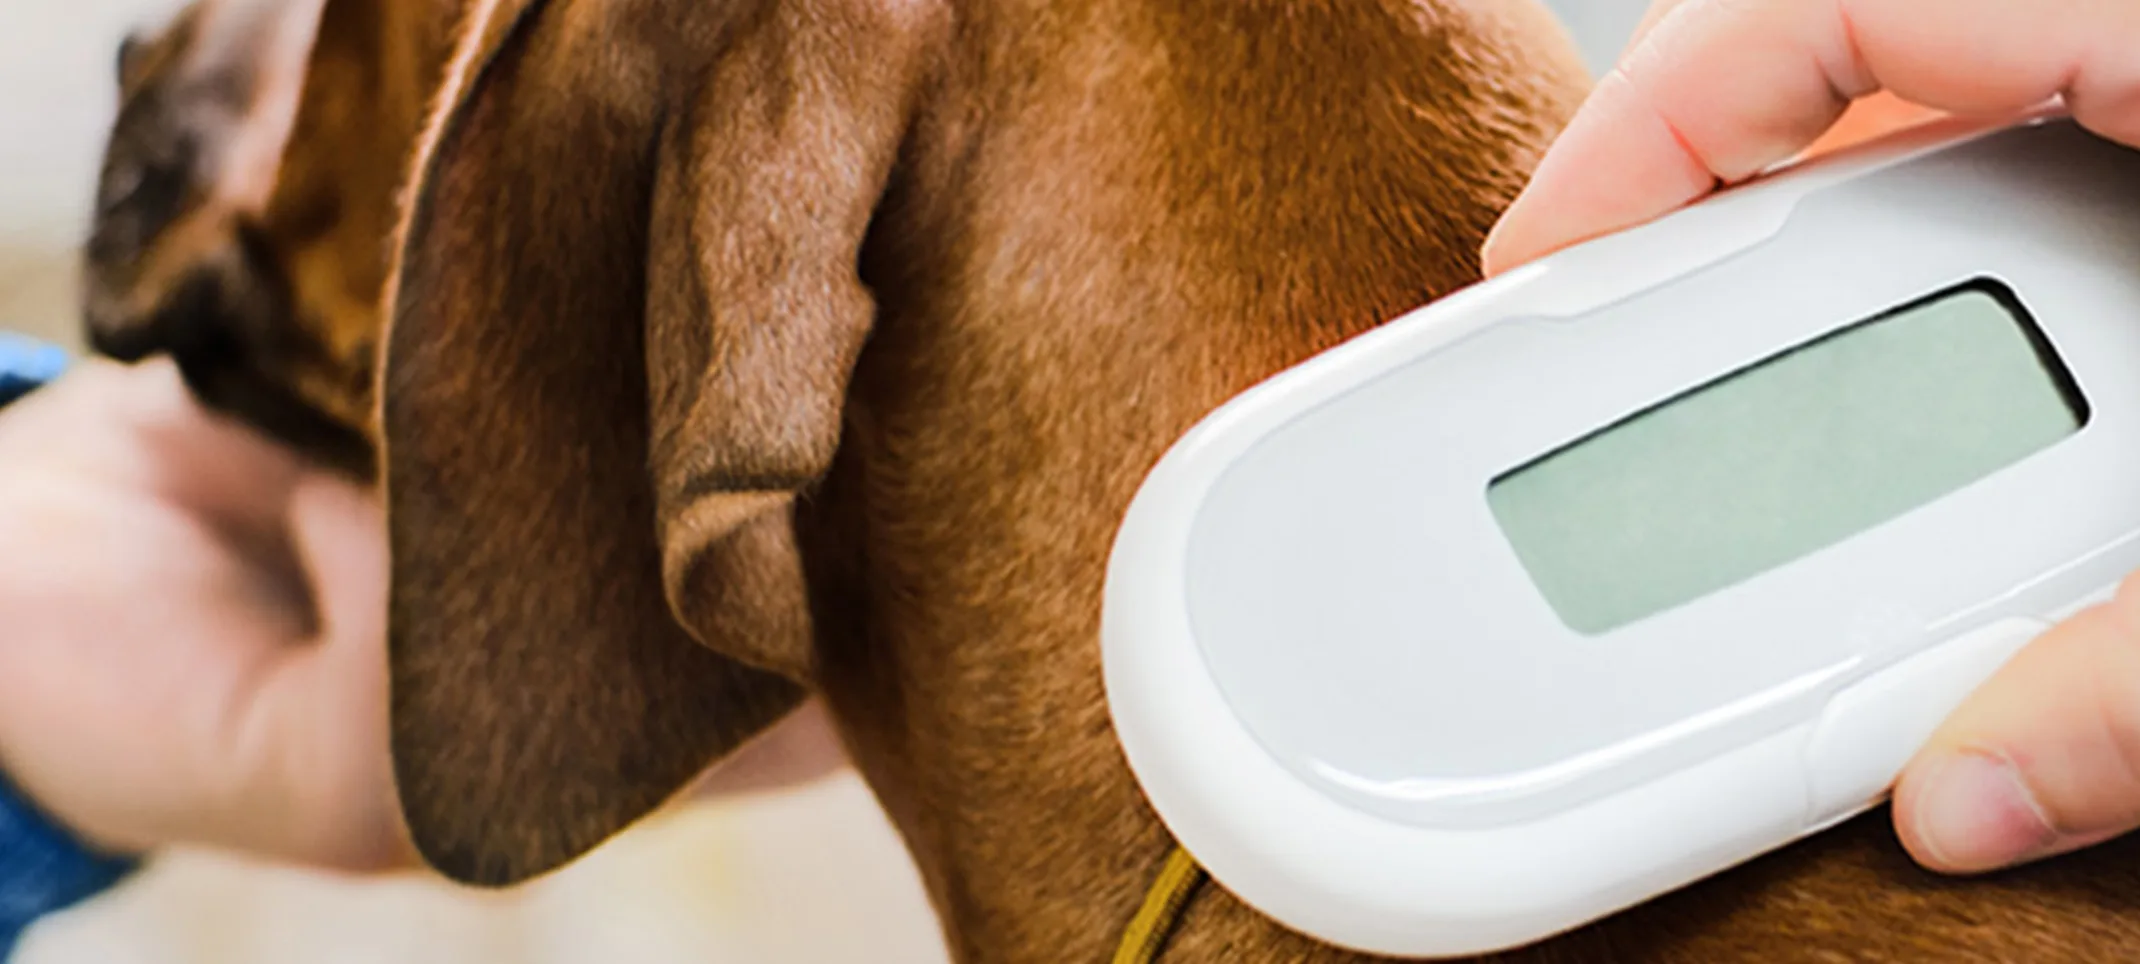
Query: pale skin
[2045,757]
[165,677]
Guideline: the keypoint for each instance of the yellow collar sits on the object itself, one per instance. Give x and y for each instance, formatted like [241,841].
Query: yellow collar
[1169,895]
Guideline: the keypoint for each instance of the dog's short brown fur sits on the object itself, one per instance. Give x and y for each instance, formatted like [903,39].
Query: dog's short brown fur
[744,349]
[249,186]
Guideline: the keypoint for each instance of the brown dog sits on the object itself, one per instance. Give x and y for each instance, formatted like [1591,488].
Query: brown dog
[248,188]
[740,350]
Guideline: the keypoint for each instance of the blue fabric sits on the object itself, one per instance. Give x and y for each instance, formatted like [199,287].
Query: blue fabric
[43,868]
[26,363]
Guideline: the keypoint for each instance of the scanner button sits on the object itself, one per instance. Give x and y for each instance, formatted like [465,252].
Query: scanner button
[1870,731]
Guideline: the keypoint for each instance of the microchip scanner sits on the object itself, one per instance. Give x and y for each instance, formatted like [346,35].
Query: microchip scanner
[1644,559]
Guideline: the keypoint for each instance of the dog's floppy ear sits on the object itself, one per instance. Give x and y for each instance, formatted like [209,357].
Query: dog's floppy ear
[621,328]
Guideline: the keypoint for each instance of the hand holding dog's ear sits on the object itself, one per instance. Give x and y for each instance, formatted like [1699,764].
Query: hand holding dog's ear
[2045,757]
[195,644]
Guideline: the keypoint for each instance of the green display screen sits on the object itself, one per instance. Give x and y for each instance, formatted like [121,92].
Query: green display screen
[1787,456]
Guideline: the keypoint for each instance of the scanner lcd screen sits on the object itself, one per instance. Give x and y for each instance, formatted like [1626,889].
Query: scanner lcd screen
[1785,457]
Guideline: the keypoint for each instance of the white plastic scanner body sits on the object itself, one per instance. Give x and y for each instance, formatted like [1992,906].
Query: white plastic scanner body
[1343,692]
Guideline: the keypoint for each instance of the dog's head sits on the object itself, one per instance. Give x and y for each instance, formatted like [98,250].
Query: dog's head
[246,194]
[153,176]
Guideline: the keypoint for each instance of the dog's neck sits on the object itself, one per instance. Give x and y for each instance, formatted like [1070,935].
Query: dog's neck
[1101,231]
[1202,222]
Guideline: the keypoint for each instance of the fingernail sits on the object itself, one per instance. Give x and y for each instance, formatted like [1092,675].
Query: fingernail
[1974,814]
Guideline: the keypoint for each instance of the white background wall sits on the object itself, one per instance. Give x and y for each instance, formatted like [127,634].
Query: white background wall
[56,97]
[1600,26]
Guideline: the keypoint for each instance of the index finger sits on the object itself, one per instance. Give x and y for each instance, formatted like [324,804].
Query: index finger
[1718,90]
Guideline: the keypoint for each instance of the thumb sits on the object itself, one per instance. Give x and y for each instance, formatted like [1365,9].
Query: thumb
[316,736]
[2043,759]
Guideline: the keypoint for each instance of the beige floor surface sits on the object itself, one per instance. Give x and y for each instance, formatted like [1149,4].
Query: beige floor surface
[811,875]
